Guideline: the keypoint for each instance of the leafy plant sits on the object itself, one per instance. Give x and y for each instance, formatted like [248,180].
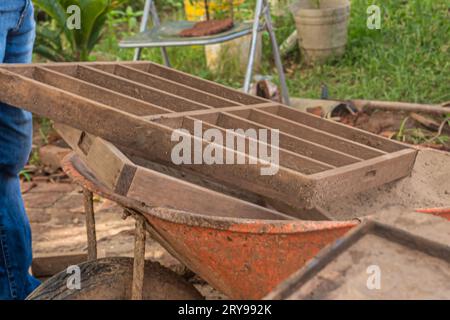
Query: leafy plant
[25,174]
[128,17]
[57,42]
[401,132]
[45,128]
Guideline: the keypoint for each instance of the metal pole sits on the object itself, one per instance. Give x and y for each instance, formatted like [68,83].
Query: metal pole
[276,55]
[251,58]
[157,23]
[90,224]
[143,27]
[139,259]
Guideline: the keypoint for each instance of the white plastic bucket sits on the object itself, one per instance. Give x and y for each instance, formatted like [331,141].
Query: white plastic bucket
[322,31]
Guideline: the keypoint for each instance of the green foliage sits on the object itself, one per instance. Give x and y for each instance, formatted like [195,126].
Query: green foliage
[45,127]
[25,174]
[128,17]
[169,5]
[401,132]
[407,60]
[56,42]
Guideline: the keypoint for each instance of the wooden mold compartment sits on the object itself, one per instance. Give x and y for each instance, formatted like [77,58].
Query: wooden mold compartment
[390,256]
[138,105]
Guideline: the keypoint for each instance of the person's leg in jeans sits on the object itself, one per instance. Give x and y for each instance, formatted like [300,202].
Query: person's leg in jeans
[17,32]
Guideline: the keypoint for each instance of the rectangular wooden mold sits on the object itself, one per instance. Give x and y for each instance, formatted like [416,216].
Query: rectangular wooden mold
[390,256]
[155,186]
[138,105]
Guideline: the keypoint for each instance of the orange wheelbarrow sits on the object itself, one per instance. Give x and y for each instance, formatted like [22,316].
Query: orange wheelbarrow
[243,258]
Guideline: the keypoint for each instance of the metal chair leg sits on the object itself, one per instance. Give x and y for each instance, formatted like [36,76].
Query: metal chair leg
[252,54]
[150,8]
[276,55]
[156,22]
[143,27]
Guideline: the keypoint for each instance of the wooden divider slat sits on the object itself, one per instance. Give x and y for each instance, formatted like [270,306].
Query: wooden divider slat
[96,93]
[168,86]
[201,84]
[136,90]
[286,141]
[338,129]
[311,134]
[287,158]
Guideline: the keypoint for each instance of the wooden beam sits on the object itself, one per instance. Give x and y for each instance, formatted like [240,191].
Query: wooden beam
[208,111]
[401,106]
[44,266]
[363,176]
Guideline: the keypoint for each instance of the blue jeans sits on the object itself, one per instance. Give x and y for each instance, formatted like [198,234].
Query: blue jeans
[17,32]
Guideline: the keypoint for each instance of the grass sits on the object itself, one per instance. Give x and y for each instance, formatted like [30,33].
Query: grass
[407,60]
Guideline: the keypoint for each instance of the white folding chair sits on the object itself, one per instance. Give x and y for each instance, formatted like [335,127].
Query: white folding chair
[167,35]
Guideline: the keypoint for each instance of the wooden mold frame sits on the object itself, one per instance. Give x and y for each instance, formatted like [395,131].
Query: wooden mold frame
[411,250]
[138,105]
[153,186]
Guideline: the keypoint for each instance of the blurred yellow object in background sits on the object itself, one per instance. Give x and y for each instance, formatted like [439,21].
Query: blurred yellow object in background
[195,9]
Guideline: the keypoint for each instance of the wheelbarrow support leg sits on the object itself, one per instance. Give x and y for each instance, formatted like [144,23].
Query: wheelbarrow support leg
[90,224]
[139,259]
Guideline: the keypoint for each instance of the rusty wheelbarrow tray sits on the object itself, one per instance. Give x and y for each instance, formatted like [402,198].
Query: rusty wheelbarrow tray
[237,253]
[388,256]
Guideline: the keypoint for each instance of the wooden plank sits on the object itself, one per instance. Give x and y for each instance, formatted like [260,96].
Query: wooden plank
[363,176]
[288,142]
[165,191]
[168,86]
[44,266]
[96,93]
[339,129]
[108,163]
[195,178]
[117,171]
[311,134]
[205,112]
[201,84]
